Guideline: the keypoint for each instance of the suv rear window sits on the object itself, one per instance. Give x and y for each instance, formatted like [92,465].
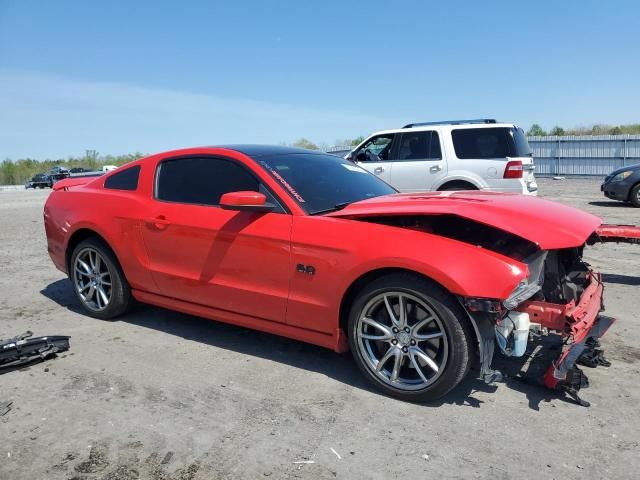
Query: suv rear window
[499,142]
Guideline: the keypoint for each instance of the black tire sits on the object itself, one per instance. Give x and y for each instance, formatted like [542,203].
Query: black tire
[458,341]
[120,299]
[457,186]
[634,196]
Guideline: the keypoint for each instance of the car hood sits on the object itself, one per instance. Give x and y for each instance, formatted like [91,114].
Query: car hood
[624,169]
[548,224]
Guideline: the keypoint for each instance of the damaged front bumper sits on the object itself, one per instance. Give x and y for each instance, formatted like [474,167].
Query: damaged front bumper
[578,324]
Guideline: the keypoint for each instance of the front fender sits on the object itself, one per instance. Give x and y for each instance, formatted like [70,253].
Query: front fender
[461,268]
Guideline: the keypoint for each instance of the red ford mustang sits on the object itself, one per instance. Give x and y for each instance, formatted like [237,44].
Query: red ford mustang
[310,246]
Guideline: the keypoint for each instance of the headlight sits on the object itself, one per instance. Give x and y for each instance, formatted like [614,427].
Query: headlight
[522,292]
[621,176]
[528,287]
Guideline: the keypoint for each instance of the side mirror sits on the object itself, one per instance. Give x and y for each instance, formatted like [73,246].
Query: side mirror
[246,201]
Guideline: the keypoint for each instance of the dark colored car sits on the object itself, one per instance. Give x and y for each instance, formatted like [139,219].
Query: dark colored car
[77,170]
[39,180]
[623,184]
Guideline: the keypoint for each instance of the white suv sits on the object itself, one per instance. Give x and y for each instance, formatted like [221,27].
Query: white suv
[452,155]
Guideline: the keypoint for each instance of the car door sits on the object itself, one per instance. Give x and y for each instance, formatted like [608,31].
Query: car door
[237,261]
[376,155]
[420,164]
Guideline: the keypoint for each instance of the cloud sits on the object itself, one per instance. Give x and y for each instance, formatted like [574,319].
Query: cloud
[45,116]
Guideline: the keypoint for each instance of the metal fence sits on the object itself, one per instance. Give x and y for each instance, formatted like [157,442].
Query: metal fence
[595,155]
[584,155]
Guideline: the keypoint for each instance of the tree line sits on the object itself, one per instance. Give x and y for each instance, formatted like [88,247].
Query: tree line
[19,171]
[598,129]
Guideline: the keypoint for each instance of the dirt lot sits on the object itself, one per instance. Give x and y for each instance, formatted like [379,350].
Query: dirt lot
[162,395]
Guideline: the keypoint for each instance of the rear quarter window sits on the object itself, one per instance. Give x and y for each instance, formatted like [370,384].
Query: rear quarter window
[124,180]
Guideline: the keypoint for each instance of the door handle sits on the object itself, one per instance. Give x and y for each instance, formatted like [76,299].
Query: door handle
[160,222]
[378,170]
[435,168]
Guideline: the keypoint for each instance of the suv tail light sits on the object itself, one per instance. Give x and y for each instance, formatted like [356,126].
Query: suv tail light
[513,169]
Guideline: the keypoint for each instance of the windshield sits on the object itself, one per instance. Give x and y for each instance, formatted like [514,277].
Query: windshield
[320,182]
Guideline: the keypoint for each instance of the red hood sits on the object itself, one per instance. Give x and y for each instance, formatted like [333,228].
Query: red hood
[549,224]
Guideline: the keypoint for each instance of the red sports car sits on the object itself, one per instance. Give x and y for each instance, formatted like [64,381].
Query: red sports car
[310,246]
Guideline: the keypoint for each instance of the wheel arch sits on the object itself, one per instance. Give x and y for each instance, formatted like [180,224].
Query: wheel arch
[462,183]
[82,234]
[637,182]
[359,283]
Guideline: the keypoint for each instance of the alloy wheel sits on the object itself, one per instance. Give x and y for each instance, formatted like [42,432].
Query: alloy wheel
[92,279]
[402,340]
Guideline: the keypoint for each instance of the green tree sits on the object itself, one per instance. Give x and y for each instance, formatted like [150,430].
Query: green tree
[557,131]
[356,141]
[305,143]
[536,131]
[7,173]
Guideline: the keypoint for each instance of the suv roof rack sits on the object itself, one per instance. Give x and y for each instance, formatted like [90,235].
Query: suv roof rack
[451,122]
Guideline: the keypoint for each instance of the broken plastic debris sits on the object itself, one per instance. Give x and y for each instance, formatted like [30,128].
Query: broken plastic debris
[336,454]
[5,407]
[24,349]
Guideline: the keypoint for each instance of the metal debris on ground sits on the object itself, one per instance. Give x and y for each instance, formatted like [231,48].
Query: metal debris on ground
[5,407]
[593,356]
[25,348]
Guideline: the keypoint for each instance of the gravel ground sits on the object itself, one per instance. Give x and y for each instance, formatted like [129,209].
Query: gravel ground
[162,395]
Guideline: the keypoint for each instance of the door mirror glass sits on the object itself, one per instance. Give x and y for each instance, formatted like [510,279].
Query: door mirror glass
[246,201]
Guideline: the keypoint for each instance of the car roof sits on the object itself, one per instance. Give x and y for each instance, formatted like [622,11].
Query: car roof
[444,126]
[267,150]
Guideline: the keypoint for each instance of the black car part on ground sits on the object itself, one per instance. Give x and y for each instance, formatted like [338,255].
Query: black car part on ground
[23,349]
[5,407]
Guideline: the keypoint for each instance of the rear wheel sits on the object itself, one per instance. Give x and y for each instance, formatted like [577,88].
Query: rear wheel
[634,196]
[409,337]
[98,280]
[457,186]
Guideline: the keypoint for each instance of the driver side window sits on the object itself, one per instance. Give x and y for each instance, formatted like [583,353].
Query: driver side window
[377,149]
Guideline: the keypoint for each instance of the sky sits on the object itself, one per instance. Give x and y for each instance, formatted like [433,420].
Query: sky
[147,76]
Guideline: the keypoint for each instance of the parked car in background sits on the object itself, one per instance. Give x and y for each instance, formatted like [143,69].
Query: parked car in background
[58,174]
[451,155]
[623,184]
[77,170]
[58,170]
[39,180]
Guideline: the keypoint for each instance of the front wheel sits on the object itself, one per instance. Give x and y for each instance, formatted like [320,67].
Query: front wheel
[410,338]
[634,196]
[98,280]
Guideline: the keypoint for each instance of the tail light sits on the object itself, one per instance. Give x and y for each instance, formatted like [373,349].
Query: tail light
[513,169]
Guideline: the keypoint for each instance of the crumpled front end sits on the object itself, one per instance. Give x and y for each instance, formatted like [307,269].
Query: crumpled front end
[562,296]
